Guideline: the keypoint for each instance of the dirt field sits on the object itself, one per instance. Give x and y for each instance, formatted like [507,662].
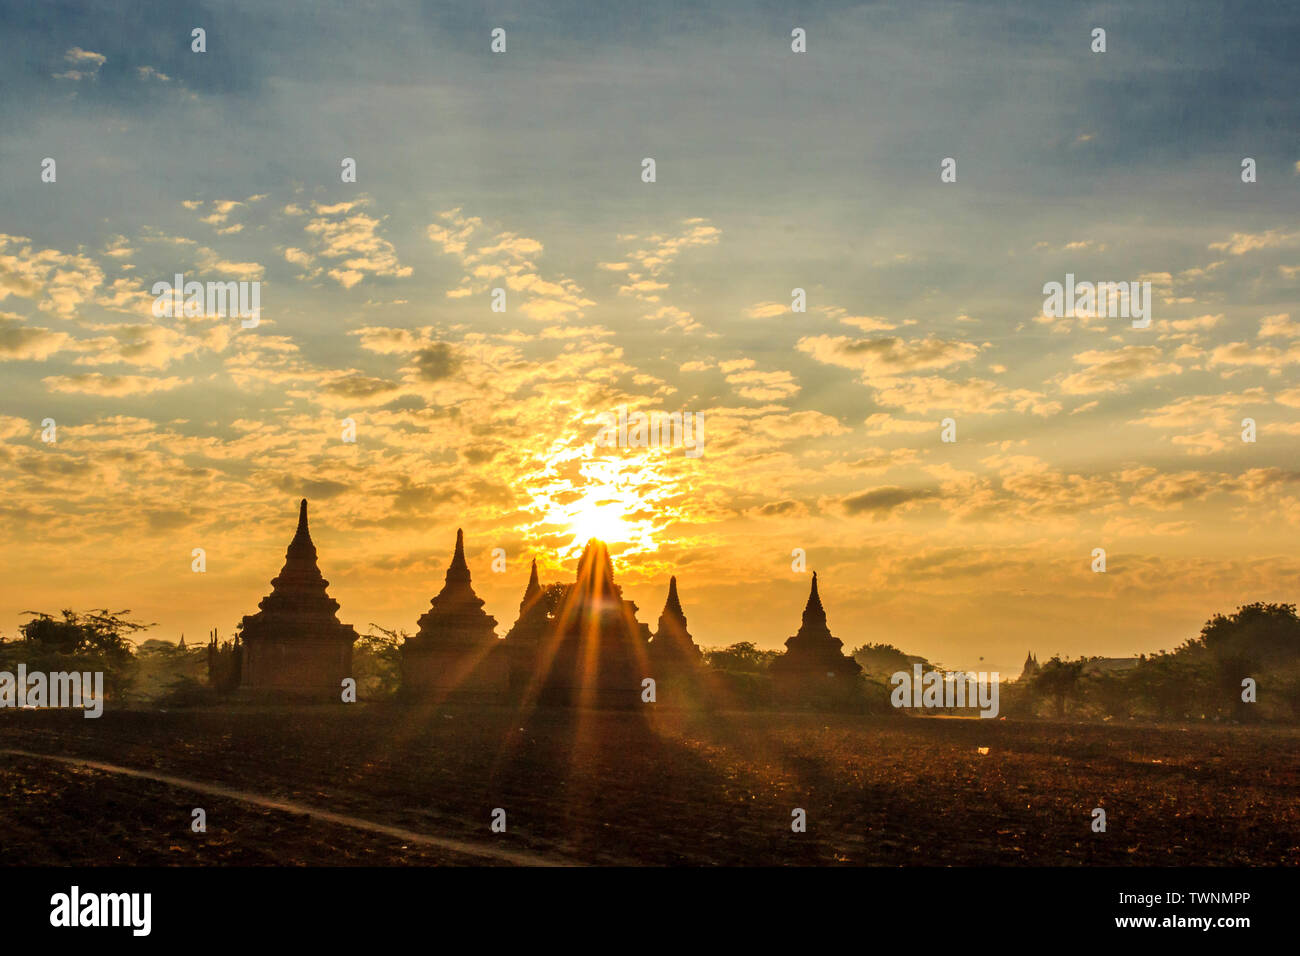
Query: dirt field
[612,788]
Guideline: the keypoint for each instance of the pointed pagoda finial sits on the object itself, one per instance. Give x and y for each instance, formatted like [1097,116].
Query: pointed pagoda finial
[533,584]
[458,570]
[814,610]
[301,549]
[673,605]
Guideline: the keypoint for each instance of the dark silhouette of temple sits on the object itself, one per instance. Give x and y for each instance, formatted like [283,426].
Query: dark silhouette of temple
[813,667]
[524,640]
[294,645]
[673,646]
[1031,667]
[676,662]
[593,652]
[455,654]
[578,644]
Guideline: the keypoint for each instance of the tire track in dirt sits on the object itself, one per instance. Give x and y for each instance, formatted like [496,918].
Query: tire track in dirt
[515,857]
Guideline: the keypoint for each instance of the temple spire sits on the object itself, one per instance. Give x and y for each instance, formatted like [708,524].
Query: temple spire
[673,605]
[813,612]
[673,644]
[532,620]
[458,570]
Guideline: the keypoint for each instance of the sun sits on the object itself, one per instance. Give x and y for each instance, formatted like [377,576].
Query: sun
[599,516]
[614,499]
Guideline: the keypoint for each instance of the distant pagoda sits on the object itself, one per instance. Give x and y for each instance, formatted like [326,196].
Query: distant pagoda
[814,664]
[673,645]
[455,654]
[1031,668]
[523,641]
[594,652]
[532,620]
[294,644]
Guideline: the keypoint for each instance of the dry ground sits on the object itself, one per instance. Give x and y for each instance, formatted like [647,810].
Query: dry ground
[613,787]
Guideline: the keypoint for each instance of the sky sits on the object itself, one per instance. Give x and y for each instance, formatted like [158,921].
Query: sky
[774,171]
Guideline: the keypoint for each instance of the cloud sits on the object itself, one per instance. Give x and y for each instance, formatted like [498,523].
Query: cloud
[867,323]
[60,282]
[437,362]
[1112,371]
[344,233]
[763,386]
[653,257]
[87,64]
[1242,242]
[1278,326]
[220,215]
[1241,353]
[507,260]
[676,318]
[887,356]
[786,508]
[94,383]
[23,342]
[881,502]
[1199,410]
[657,251]
[148,346]
[1166,492]
[973,396]
[211,263]
[765,310]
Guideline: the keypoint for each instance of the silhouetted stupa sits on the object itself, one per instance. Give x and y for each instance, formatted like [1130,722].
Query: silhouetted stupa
[673,645]
[813,662]
[595,651]
[1031,667]
[532,619]
[524,639]
[295,644]
[455,653]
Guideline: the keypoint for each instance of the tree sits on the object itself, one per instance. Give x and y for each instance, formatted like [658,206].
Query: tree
[553,596]
[1263,633]
[1058,680]
[1167,682]
[377,662]
[1253,639]
[92,641]
[1111,693]
[95,632]
[742,658]
[882,659]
